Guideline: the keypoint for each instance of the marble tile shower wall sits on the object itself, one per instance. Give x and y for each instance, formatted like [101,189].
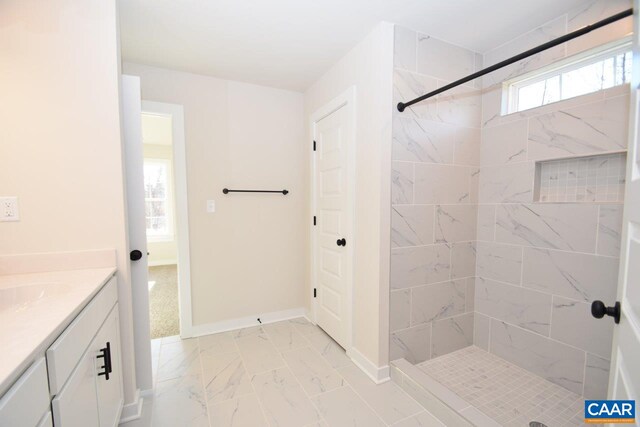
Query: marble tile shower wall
[540,265]
[436,154]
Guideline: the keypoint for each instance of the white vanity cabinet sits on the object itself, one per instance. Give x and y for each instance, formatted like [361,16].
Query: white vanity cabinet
[78,379]
[109,392]
[92,396]
[26,403]
[77,403]
[87,389]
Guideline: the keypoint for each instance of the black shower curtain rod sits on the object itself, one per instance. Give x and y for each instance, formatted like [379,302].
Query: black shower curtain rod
[526,54]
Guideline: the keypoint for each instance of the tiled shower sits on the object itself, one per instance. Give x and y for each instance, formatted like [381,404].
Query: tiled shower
[505,227]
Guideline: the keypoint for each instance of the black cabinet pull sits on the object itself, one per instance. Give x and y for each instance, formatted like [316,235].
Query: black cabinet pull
[598,310]
[341,242]
[105,355]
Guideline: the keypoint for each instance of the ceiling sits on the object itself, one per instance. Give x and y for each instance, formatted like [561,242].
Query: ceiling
[290,43]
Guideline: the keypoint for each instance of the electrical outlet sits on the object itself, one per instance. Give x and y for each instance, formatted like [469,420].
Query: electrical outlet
[9,209]
[211,206]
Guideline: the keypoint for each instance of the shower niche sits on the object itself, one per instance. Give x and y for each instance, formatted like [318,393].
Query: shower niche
[595,178]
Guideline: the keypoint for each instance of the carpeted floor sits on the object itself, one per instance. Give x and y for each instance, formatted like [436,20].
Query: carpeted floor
[163,301]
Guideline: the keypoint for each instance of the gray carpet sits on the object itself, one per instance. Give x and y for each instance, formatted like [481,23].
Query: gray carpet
[163,301]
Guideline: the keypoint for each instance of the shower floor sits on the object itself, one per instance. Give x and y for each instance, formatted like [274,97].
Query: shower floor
[506,393]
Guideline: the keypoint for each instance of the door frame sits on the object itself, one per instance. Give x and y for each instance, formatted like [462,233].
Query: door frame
[180,198]
[346,99]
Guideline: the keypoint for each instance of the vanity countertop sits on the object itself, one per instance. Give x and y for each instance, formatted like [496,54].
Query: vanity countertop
[34,310]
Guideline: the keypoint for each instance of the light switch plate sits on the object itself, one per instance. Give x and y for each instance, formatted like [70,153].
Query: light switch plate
[9,209]
[211,206]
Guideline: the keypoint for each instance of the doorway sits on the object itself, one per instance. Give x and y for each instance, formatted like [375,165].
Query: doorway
[333,205]
[166,220]
[160,225]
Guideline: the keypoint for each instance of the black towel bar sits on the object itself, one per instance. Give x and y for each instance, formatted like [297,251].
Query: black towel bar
[227,191]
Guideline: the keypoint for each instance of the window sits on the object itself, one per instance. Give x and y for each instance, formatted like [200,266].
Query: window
[591,71]
[157,197]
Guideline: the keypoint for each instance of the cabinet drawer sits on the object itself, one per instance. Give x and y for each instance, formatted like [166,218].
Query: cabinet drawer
[65,353]
[28,399]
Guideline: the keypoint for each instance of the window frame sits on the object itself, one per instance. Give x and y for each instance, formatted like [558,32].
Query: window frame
[168,200]
[512,87]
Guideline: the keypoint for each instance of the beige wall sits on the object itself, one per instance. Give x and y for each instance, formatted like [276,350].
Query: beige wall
[249,257]
[60,149]
[368,66]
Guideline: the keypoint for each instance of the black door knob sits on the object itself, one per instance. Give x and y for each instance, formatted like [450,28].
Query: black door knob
[341,242]
[135,255]
[598,310]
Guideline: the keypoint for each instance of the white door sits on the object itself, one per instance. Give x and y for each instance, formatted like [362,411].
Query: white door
[333,242]
[624,382]
[137,227]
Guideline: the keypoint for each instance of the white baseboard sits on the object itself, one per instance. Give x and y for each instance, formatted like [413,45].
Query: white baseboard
[244,322]
[132,411]
[159,262]
[379,375]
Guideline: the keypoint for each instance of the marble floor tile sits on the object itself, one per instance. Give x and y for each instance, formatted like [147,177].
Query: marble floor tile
[285,335]
[329,349]
[258,353]
[305,327]
[423,419]
[245,332]
[224,376]
[155,355]
[343,407]
[180,402]
[312,371]
[218,343]
[388,400]
[244,411]
[283,400]
[241,378]
[177,359]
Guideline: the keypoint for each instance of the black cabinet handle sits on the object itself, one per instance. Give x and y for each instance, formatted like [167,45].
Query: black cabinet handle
[105,355]
[341,242]
[598,310]
[135,255]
